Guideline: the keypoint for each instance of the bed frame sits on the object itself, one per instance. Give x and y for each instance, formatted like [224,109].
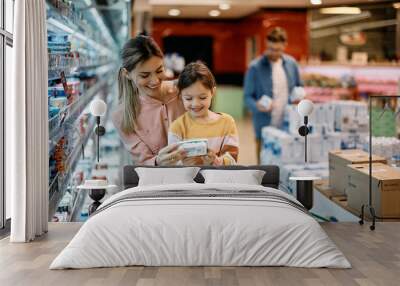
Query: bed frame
[130,178]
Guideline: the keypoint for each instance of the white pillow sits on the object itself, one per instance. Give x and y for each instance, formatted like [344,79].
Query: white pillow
[249,177]
[166,176]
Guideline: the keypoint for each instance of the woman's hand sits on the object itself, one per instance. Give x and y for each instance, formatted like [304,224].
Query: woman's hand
[170,155]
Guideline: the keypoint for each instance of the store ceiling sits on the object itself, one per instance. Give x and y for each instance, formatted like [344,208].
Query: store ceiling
[239,8]
[115,13]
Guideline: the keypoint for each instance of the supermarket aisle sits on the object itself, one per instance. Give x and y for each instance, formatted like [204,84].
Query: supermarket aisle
[247,144]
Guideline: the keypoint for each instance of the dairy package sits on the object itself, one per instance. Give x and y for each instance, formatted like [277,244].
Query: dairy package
[321,120]
[279,146]
[266,101]
[350,116]
[195,147]
[284,148]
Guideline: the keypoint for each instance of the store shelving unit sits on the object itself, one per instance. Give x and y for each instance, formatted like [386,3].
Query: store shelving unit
[55,195]
[81,195]
[93,53]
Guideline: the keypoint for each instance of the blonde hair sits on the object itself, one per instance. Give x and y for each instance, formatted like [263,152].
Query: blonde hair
[134,52]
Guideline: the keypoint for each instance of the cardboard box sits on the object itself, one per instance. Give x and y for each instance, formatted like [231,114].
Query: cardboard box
[338,161]
[385,188]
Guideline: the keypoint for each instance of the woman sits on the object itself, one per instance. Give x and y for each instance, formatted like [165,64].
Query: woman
[148,104]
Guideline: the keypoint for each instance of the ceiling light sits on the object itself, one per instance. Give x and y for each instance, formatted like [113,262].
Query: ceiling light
[341,10]
[214,13]
[396,5]
[224,6]
[174,12]
[316,2]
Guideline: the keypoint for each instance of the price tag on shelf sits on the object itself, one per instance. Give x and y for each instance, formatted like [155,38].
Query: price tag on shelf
[64,83]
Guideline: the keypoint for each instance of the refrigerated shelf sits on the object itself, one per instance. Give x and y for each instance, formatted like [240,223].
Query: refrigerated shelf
[58,23]
[70,163]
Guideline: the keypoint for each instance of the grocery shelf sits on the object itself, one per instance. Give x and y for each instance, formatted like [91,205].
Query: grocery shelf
[54,138]
[81,194]
[52,183]
[81,45]
[70,163]
[73,109]
[59,23]
[78,202]
[54,74]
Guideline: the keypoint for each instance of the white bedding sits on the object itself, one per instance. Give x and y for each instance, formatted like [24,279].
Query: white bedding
[200,231]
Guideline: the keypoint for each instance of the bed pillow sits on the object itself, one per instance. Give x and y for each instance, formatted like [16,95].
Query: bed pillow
[249,177]
[166,176]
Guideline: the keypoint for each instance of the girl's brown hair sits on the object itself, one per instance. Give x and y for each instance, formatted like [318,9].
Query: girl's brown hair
[194,72]
[134,52]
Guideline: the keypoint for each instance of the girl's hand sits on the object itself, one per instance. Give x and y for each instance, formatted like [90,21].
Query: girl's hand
[170,155]
[209,158]
[192,161]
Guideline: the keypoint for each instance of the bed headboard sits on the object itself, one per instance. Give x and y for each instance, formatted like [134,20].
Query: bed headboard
[271,178]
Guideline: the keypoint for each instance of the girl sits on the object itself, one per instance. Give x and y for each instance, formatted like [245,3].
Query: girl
[197,86]
[148,104]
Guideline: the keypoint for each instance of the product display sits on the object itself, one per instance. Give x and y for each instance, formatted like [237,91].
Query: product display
[339,116]
[280,147]
[338,162]
[331,82]
[385,188]
[350,116]
[320,170]
[79,69]
[387,147]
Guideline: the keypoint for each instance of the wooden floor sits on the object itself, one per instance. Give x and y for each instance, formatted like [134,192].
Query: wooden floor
[375,257]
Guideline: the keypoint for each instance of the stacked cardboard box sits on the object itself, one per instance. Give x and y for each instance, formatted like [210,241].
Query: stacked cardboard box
[338,161]
[385,188]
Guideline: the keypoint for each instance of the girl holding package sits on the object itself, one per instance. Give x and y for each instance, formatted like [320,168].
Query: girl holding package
[196,86]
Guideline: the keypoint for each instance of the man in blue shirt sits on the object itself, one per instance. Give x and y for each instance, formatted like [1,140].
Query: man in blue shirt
[273,75]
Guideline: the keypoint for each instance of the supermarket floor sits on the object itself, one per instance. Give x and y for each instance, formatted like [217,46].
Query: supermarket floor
[247,151]
[375,257]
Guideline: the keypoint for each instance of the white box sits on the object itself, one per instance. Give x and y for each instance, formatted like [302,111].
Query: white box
[281,147]
[299,170]
[350,116]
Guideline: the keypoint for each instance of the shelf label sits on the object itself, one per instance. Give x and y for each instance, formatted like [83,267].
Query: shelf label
[64,83]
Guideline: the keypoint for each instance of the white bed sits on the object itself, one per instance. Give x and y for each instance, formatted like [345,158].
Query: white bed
[205,230]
